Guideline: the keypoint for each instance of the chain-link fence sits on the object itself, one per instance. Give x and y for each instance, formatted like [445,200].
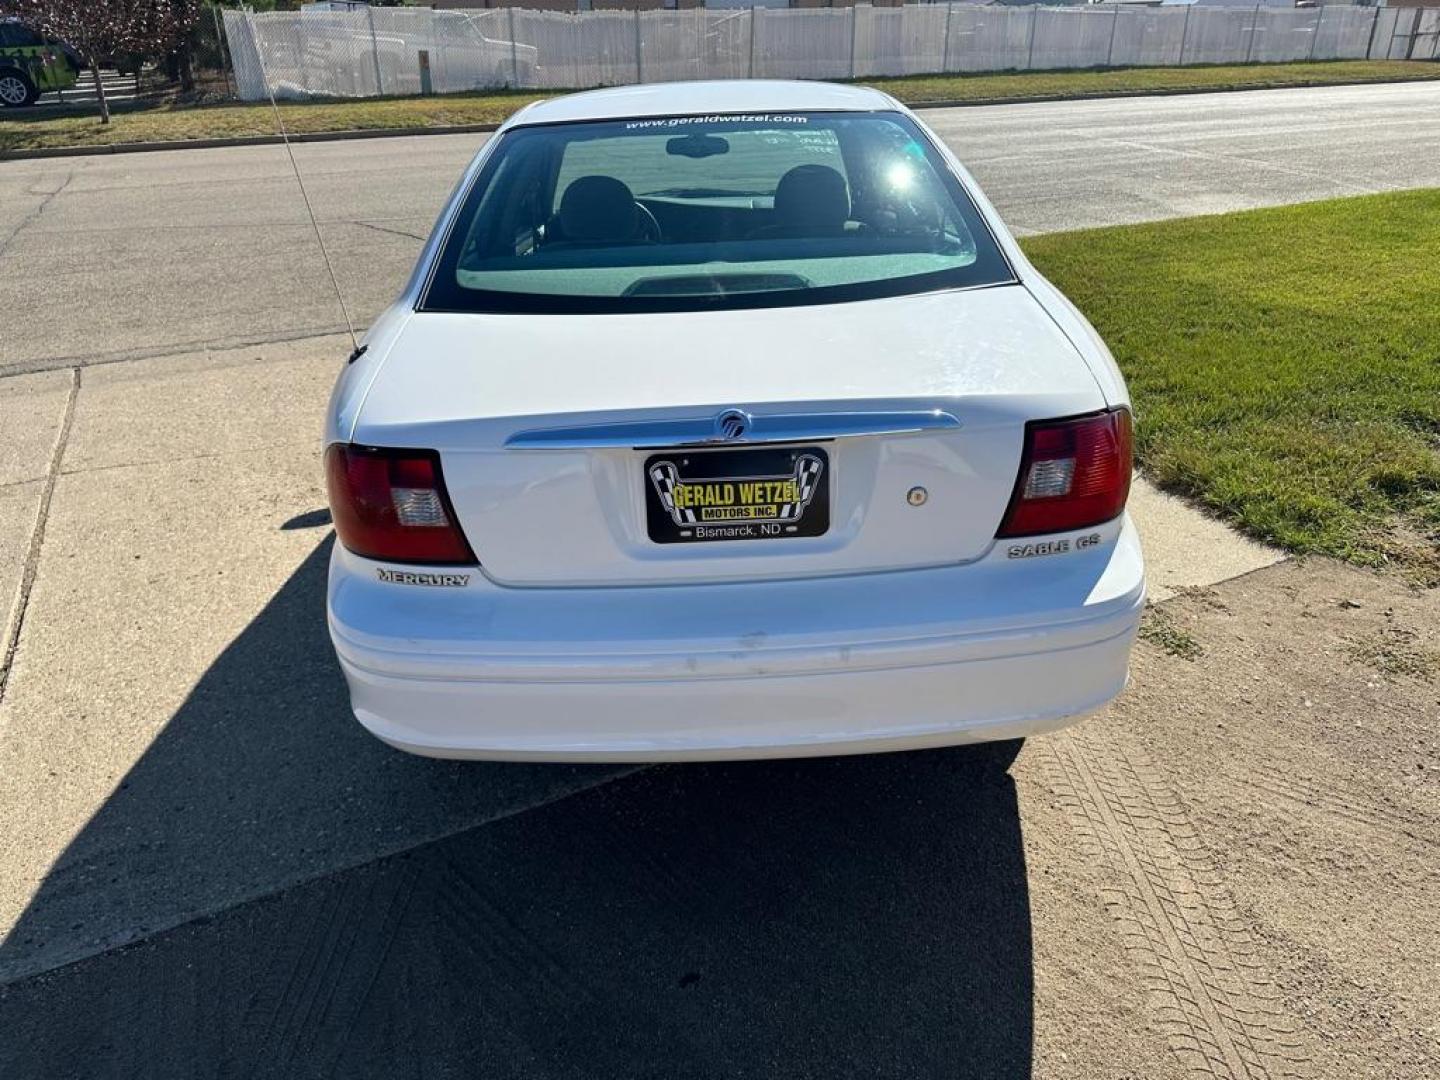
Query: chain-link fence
[387,51]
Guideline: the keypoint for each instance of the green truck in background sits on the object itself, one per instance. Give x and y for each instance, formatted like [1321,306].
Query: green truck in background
[31,65]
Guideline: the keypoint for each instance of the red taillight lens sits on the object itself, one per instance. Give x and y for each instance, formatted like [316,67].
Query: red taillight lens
[391,505]
[1073,474]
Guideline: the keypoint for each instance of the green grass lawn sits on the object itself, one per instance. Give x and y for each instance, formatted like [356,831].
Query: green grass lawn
[172,121]
[1285,365]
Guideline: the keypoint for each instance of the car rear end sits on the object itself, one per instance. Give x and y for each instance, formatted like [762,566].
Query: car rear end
[729,530]
[514,586]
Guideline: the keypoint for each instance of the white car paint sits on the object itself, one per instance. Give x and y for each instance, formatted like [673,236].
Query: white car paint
[576,638]
[987,356]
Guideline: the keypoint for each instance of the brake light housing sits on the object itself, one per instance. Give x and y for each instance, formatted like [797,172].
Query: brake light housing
[391,505]
[1074,474]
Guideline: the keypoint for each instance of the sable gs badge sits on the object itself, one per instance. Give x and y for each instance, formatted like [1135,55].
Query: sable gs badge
[751,494]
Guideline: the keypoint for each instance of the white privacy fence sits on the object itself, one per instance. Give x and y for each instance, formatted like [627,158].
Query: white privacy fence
[377,51]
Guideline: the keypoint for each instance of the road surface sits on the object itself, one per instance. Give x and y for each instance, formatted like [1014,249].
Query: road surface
[130,255]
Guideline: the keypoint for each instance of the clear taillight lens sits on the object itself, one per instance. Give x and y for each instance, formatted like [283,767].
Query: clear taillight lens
[391,505]
[1073,474]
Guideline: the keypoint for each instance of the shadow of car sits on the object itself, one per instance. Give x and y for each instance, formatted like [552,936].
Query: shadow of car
[852,916]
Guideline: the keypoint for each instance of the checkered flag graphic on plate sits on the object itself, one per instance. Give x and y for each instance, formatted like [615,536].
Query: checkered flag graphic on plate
[807,479]
[666,478]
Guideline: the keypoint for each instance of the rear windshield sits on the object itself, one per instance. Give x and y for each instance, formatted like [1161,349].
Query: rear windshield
[686,213]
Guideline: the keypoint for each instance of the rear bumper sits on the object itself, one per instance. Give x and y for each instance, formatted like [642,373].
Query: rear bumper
[998,649]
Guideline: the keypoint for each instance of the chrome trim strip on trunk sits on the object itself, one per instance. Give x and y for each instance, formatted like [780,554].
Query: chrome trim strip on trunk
[703,430]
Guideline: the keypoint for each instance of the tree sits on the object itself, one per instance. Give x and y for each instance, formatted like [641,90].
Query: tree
[101,30]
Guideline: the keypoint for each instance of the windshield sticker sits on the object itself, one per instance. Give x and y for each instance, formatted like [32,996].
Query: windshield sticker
[726,118]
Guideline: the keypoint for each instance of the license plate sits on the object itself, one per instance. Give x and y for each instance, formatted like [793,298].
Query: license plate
[766,493]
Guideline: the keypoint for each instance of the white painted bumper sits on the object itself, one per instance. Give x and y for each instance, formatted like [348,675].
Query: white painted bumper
[997,649]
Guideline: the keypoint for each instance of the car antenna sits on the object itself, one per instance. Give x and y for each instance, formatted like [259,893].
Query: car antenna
[355,345]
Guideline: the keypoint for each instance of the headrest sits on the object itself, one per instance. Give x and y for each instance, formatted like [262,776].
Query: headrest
[598,209]
[813,198]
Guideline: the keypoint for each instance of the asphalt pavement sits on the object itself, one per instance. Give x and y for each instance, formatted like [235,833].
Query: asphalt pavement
[110,257]
[179,774]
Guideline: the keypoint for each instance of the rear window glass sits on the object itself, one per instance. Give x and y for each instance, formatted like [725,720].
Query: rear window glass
[685,213]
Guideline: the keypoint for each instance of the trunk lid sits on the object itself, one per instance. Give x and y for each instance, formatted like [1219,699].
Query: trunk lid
[551,429]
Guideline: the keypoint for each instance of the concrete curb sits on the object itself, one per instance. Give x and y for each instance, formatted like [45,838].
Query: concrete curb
[1179,91]
[242,140]
[469,129]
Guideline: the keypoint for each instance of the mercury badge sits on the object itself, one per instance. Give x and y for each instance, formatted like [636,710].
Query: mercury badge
[731,425]
[411,577]
[917,496]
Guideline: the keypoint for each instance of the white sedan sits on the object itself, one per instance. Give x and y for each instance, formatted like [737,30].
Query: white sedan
[727,420]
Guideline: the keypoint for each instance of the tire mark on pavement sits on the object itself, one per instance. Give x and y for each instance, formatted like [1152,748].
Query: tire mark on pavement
[323,980]
[16,622]
[381,228]
[1296,789]
[1213,998]
[485,927]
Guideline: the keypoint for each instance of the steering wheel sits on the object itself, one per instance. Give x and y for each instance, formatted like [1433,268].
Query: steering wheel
[649,227]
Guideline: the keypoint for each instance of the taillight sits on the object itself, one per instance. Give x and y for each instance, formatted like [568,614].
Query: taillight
[391,505]
[1073,474]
